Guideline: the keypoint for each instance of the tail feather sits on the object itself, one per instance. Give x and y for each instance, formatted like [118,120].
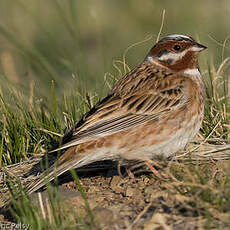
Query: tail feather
[65,163]
[47,176]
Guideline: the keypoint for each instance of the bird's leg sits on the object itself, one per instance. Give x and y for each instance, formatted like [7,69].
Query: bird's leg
[129,172]
[119,170]
[127,169]
[153,170]
[133,169]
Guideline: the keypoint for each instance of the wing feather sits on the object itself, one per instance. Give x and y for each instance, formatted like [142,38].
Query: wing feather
[130,104]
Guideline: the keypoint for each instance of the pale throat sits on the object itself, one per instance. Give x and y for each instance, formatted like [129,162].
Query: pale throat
[194,71]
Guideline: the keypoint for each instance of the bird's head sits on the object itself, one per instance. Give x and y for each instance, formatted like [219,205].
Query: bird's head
[176,52]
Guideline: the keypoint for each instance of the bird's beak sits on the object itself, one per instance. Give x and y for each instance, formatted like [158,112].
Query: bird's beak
[198,47]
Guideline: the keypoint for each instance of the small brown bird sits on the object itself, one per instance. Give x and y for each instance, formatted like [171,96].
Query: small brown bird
[156,109]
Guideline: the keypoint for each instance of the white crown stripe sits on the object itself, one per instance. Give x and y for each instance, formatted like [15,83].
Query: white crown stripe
[178,36]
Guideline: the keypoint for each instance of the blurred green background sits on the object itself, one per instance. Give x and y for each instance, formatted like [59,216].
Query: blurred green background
[77,43]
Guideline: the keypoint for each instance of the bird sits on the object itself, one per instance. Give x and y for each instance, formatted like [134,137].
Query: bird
[154,110]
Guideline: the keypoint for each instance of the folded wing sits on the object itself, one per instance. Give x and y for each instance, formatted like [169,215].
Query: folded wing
[152,93]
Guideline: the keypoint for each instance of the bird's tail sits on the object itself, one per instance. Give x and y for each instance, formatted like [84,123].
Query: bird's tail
[64,163]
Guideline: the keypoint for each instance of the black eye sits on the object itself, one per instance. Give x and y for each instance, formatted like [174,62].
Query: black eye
[177,47]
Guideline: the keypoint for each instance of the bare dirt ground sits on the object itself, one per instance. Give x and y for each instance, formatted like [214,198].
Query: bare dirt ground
[143,202]
[174,201]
